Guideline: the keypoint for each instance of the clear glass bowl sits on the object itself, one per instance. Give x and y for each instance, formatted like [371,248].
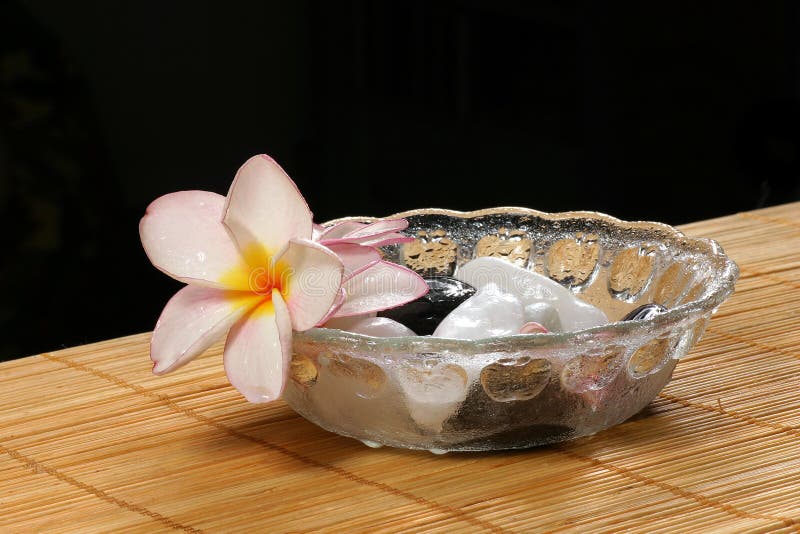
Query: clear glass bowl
[522,390]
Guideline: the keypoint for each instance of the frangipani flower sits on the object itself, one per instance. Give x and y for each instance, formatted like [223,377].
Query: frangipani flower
[253,272]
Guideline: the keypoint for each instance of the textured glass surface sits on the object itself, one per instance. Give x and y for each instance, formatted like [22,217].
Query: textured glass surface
[523,390]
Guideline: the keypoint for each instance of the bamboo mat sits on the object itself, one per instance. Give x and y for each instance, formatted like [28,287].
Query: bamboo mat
[91,441]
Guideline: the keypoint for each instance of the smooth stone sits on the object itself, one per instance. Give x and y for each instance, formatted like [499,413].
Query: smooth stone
[645,312]
[490,312]
[545,314]
[424,314]
[530,287]
[371,326]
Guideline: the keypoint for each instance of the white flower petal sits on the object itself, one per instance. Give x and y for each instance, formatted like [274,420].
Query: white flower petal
[183,235]
[258,351]
[264,207]
[192,321]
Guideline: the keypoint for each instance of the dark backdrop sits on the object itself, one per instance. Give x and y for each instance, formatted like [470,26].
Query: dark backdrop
[673,113]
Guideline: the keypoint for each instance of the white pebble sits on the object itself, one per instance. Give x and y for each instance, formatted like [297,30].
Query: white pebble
[371,326]
[489,312]
[531,288]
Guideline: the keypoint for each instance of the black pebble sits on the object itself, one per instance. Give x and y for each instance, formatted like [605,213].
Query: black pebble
[424,314]
[645,312]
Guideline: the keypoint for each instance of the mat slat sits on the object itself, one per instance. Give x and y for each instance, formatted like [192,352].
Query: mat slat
[91,441]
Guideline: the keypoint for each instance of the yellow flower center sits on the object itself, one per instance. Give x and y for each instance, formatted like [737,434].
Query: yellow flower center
[257,275]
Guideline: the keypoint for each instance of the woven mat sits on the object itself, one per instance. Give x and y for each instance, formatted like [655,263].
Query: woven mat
[91,441]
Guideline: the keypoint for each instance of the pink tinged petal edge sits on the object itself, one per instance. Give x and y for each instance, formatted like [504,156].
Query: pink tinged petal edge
[340,229]
[264,207]
[384,238]
[258,351]
[376,228]
[378,233]
[340,298]
[388,239]
[314,283]
[193,319]
[382,286]
[355,258]
[183,236]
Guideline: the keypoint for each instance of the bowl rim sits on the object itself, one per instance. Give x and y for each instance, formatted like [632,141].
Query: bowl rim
[687,312]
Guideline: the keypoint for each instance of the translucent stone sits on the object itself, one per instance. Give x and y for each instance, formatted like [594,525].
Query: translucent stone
[355,376]
[371,326]
[512,380]
[424,314]
[592,372]
[490,312]
[372,444]
[433,391]
[545,314]
[531,288]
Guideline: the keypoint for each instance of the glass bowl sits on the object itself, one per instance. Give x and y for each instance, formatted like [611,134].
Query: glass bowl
[522,390]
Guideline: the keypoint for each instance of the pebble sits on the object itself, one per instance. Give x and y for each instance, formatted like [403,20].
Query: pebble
[371,326]
[530,288]
[645,312]
[545,314]
[424,314]
[490,312]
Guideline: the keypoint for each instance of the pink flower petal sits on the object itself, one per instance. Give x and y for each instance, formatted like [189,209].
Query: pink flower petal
[387,239]
[378,233]
[264,208]
[192,321]
[355,258]
[258,351]
[314,281]
[340,298]
[316,231]
[376,228]
[340,229]
[183,235]
[384,285]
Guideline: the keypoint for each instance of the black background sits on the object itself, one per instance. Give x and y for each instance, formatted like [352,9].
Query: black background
[673,111]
